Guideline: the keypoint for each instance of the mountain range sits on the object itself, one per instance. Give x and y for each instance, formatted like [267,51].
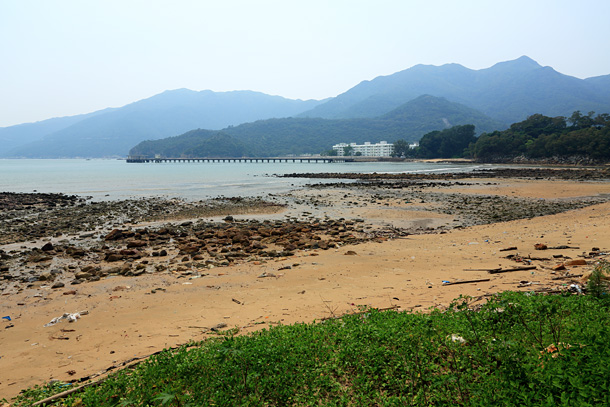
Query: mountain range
[508,91]
[502,94]
[112,132]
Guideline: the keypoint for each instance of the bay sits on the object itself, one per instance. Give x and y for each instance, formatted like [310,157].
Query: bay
[116,179]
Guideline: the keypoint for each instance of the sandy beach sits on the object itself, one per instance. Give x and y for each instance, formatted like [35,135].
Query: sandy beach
[399,246]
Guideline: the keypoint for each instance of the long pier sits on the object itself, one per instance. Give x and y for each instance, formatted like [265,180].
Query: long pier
[143,159]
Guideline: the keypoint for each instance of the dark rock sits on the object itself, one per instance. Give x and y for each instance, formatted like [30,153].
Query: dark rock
[116,234]
[136,243]
[110,257]
[47,247]
[46,276]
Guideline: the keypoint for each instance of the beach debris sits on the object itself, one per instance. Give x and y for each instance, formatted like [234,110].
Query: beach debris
[509,249]
[218,327]
[480,280]
[350,253]
[236,301]
[285,268]
[540,246]
[8,318]
[70,317]
[456,338]
[575,288]
[70,292]
[559,267]
[265,275]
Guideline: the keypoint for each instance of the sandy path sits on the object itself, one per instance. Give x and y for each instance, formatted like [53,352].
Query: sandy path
[408,272]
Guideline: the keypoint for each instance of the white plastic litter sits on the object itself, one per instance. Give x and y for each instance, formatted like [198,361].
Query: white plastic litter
[70,317]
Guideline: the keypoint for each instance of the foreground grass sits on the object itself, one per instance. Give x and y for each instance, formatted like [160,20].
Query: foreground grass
[517,349]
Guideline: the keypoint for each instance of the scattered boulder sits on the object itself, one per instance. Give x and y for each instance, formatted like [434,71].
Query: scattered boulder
[115,234]
[46,276]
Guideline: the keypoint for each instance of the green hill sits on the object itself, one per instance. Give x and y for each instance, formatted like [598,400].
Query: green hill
[277,137]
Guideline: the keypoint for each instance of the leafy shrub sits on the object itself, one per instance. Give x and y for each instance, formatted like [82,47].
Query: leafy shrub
[598,283]
[517,349]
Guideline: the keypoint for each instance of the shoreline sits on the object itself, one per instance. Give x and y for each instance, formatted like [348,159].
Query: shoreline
[390,249]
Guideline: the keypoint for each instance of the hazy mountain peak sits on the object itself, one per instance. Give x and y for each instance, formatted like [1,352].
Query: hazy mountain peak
[523,63]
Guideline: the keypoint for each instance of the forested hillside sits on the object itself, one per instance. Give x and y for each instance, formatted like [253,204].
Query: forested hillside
[278,137]
[541,136]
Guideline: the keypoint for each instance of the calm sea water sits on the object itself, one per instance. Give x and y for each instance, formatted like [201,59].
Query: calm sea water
[116,179]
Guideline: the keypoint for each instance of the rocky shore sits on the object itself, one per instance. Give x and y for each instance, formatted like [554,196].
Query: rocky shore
[82,242]
[596,173]
[54,240]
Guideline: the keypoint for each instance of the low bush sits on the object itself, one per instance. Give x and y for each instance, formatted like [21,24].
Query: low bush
[517,349]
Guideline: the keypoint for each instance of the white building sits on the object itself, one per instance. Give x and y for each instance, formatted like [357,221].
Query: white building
[381,149]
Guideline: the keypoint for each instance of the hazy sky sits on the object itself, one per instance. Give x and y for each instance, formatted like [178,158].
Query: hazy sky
[66,57]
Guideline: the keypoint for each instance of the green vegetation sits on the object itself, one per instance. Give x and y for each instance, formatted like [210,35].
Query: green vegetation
[197,143]
[537,137]
[400,148]
[516,349]
[450,143]
[542,137]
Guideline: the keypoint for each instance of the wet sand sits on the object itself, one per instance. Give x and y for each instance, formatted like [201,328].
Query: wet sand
[134,316]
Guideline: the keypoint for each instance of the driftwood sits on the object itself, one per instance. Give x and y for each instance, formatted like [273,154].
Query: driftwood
[127,364]
[567,277]
[466,281]
[508,249]
[500,270]
[359,312]
[67,392]
[495,271]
